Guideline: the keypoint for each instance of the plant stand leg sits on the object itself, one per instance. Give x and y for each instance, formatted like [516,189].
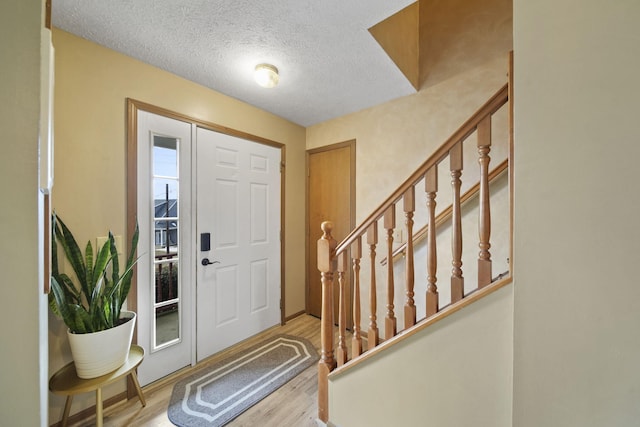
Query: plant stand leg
[134,378]
[67,409]
[99,407]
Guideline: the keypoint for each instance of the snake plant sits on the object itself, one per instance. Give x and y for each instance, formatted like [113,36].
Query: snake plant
[94,303]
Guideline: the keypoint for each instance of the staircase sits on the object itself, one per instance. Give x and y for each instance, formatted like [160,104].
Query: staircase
[338,262]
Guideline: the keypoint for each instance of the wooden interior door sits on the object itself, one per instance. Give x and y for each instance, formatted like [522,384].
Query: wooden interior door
[330,197]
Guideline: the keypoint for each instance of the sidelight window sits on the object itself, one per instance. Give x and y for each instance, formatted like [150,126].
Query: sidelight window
[166,217]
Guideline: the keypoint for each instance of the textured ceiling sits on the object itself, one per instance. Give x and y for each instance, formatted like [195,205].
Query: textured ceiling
[329,63]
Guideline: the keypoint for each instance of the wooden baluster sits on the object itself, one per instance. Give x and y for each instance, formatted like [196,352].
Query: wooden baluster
[431,188]
[390,327]
[484,220]
[372,240]
[356,340]
[326,246]
[409,204]
[342,309]
[457,281]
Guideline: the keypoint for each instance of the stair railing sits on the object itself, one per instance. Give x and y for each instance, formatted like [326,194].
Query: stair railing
[333,257]
[445,215]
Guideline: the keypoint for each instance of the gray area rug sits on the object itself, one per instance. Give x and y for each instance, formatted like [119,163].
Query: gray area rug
[220,393]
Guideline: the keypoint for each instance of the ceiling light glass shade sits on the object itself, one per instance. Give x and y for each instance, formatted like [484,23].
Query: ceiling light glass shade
[266,75]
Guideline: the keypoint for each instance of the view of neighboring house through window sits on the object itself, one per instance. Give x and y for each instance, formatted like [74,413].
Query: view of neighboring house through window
[166,237]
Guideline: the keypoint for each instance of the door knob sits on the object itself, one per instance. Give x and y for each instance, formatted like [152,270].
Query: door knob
[205,262]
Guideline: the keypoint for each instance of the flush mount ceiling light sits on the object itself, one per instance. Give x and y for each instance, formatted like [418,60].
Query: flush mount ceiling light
[266,75]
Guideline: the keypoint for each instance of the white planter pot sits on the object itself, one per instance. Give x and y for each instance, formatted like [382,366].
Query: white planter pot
[99,353]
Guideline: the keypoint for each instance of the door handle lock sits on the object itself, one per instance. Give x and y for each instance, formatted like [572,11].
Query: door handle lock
[205,262]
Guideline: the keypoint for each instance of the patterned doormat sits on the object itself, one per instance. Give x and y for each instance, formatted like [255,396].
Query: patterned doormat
[224,390]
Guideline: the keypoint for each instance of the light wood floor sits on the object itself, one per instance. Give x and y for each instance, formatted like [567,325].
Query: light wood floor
[293,405]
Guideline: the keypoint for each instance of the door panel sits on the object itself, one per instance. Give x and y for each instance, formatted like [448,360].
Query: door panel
[238,194]
[259,286]
[226,220]
[227,294]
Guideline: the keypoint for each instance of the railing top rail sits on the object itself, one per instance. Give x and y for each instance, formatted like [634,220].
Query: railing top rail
[489,108]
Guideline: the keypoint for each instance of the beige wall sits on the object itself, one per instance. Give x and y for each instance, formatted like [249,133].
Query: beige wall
[92,84]
[394,138]
[458,35]
[23,358]
[577,239]
[455,373]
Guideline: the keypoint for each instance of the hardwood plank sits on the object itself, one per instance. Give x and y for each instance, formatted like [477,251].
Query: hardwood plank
[294,404]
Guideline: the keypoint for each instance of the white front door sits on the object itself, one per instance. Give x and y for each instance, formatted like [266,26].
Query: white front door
[238,240]
[164,271]
[232,187]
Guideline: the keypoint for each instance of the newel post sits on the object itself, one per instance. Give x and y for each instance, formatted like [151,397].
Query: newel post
[327,363]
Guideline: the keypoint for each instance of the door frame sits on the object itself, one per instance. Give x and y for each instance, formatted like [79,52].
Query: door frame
[132,108]
[351,144]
